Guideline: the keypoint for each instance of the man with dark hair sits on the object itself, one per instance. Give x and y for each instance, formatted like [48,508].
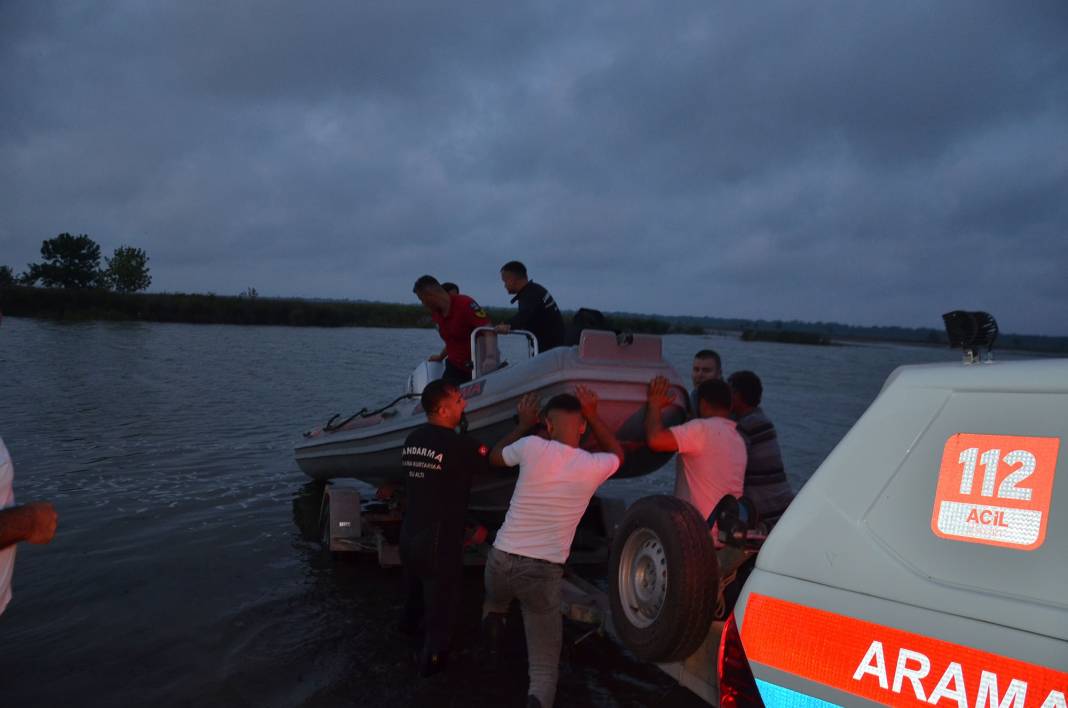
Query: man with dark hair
[456,317]
[711,453]
[707,366]
[765,476]
[538,312]
[438,463]
[451,288]
[556,480]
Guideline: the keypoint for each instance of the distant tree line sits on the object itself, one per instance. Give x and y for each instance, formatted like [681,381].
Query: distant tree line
[246,308]
[73,263]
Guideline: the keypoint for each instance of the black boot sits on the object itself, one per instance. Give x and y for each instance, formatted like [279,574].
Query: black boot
[533,702]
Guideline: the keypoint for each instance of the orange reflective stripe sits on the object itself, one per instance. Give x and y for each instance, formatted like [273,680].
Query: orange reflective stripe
[889,665]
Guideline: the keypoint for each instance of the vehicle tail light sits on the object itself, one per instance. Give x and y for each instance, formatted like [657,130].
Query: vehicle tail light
[737,686]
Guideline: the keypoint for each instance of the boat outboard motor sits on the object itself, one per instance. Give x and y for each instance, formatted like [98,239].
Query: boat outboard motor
[584,318]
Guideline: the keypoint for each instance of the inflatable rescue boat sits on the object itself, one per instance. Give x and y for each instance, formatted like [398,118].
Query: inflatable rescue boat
[618,367]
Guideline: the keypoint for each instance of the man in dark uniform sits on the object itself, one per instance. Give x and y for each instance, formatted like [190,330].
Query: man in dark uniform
[538,312]
[438,463]
[456,317]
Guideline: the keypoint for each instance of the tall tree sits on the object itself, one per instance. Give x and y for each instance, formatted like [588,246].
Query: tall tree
[69,262]
[7,277]
[127,270]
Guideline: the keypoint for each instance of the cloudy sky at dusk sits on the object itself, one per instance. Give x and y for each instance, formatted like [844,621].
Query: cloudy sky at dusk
[869,163]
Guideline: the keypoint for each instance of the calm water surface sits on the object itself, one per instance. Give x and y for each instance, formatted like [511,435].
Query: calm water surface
[180,574]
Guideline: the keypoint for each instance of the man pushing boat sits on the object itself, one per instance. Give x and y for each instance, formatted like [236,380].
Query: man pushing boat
[556,481]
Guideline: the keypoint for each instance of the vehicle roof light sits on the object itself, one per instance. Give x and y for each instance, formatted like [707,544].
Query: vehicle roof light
[971,331]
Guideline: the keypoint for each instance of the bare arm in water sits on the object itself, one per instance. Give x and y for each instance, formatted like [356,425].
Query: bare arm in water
[34,522]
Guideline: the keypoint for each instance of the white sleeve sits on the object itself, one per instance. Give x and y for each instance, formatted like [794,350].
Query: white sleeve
[690,437]
[514,453]
[606,464]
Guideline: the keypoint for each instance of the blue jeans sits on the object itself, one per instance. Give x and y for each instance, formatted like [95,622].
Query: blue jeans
[536,584]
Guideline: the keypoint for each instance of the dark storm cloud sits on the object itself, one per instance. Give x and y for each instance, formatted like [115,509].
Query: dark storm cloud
[858,162]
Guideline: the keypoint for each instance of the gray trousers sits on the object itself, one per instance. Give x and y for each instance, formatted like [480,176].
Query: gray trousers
[536,584]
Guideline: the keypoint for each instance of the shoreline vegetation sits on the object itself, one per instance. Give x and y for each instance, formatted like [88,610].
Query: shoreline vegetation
[250,309]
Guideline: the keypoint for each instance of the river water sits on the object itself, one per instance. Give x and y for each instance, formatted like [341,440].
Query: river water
[180,574]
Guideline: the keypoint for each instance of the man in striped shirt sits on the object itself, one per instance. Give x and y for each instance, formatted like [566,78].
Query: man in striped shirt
[765,477]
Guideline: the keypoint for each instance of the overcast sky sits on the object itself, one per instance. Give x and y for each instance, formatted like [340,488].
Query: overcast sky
[869,163]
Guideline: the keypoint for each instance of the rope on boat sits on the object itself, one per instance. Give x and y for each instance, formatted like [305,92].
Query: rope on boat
[363,413]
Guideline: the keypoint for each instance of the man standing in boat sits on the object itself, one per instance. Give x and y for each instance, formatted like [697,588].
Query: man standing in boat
[438,463]
[456,317]
[538,312]
[556,481]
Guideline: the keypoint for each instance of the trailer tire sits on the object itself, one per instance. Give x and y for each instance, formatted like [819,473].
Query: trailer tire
[664,579]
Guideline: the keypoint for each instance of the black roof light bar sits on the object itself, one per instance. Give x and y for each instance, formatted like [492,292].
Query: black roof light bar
[971,331]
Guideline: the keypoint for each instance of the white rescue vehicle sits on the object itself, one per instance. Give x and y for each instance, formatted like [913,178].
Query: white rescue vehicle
[926,561]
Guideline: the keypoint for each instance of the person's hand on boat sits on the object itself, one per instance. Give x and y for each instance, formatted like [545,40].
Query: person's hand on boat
[436,357]
[502,328]
[659,394]
[529,410]
[588,400]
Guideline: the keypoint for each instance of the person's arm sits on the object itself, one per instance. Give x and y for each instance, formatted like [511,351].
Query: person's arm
[604,437]
[528,306]
[657,437]
[528,420]
[34,522]
[438,357]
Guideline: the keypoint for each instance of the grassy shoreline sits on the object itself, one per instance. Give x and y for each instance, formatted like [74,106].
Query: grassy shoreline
[81,305]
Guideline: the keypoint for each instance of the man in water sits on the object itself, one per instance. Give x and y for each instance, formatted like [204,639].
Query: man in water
[556,481]
[707,366]
[438,463]
[456,317]
[765,475]
[711,459]
[34,522]
[538,312]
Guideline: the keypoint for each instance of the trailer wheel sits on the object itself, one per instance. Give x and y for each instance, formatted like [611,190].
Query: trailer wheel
[664,579]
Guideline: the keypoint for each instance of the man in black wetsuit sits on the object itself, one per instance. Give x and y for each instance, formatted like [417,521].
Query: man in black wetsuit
[538,312]
[438,463]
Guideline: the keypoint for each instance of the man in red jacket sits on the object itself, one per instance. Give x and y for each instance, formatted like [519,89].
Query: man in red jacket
[456,317]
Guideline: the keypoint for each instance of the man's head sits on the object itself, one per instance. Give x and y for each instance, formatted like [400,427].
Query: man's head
[713,399]
[514,276]
[564,420]
[431,294]
[443,403]
[748,391]
[451,288]
[706,367]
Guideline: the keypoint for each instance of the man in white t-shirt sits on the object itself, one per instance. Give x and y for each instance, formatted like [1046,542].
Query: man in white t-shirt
[711,454]
[556,481]
[35,522]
